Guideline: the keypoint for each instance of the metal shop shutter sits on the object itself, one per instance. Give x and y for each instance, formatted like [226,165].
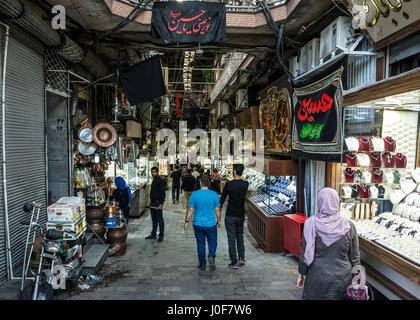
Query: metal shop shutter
[25,141]
[3,266]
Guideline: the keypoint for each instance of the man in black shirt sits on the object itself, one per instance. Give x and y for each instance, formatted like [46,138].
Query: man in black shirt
[235,215]
[157,198]
[176,181]
[188,184]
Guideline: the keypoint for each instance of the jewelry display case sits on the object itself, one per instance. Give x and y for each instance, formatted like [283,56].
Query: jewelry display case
[275,197]
[255,179]
[380,187]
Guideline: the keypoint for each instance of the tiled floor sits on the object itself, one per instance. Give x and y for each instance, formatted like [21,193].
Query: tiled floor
[167,270]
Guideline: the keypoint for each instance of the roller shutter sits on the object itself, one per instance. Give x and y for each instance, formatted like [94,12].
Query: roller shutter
[25,143]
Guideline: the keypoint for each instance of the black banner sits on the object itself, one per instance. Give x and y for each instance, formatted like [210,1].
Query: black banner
[190,21]
[317,114]
[143,81]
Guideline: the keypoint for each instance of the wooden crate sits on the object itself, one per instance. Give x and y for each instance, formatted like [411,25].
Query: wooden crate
[267,230]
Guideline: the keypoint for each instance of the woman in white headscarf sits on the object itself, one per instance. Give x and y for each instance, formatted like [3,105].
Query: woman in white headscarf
[325,252]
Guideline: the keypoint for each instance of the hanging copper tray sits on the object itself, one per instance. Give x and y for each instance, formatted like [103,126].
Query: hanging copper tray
[104,134]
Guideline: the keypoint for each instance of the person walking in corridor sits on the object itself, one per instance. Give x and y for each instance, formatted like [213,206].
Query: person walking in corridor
[236,190]
[325,252]
[176,176]
[157,198]
[215,181]
[123,196]
[188,184]
[195,173]
[205,205]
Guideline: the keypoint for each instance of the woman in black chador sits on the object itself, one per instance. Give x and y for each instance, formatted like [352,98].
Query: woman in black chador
[123,196]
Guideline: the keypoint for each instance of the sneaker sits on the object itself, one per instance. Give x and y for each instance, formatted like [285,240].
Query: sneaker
[150,237]
[234,265]
[212,264]
[160,239]
[241,261]
[173,201]
[201,266]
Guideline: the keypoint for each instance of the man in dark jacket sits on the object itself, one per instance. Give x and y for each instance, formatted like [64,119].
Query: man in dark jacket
[157,198]
[176,176]
[236,190]
[188,184]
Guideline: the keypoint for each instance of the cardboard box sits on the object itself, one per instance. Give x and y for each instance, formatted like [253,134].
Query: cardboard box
[79,227]
[36,254]
[67,209]
[133,129]
[76,201]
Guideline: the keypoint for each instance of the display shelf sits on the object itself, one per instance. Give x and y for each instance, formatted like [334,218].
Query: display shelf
[369,183]
[267,230]
[368,152]
[345,166]
[415,262]
[342,198]
[391,259]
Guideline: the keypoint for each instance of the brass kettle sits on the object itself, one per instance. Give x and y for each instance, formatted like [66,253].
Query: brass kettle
[112,210]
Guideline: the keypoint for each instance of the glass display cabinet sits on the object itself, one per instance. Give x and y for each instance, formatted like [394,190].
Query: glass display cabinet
[276,195]
[379,182]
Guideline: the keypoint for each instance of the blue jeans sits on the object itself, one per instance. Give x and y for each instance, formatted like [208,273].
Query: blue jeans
[157,219]
[201,233]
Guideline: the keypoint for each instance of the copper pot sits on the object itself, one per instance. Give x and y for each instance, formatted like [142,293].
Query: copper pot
[117,235]
[99,228]
[112,210]
[94,213]
[104,134]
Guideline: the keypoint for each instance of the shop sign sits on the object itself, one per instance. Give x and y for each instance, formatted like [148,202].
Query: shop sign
[179,104]
[275,114]
[317,113]
[190,21]
[384,18]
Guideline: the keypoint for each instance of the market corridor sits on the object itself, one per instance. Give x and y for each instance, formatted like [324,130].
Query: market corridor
[167,270]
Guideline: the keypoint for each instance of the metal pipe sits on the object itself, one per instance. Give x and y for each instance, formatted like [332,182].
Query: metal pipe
[3,145]
[69,137]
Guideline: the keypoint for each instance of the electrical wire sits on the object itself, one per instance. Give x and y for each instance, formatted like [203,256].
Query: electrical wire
[135,13]
[280,41]
[341,9]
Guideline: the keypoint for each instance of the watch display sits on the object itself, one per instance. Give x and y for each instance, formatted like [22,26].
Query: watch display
[277,196]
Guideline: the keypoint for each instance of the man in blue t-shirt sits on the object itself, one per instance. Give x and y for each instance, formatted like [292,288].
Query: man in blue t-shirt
[205,205]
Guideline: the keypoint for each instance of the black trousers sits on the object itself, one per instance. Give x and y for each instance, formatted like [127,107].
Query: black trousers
[175,189]
[157,220]
[235,233]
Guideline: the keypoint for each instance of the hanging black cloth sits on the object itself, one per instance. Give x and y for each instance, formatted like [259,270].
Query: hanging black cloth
[190,21]
[143,81]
